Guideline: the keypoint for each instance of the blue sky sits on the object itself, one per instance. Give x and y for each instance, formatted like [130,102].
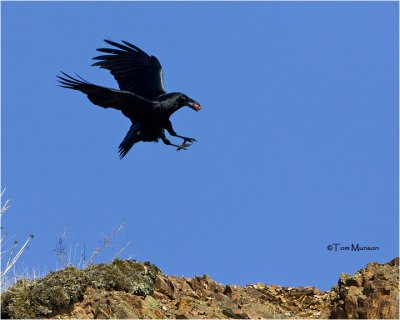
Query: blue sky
[297,140]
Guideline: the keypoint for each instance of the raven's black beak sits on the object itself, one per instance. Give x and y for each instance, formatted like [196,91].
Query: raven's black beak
[194,105]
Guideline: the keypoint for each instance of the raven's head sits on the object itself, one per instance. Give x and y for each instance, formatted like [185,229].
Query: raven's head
[184,100]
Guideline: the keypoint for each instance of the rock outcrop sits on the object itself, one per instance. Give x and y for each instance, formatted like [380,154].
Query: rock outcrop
[371,293]
[130,289]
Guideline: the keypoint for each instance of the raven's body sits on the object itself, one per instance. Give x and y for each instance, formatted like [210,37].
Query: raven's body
[141,97]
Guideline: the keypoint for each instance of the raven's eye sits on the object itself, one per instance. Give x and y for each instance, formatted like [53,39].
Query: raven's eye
[182,99]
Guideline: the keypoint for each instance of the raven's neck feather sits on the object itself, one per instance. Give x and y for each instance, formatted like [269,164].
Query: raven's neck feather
[169,102]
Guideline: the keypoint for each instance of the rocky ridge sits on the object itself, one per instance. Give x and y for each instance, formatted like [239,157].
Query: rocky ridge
[130,289]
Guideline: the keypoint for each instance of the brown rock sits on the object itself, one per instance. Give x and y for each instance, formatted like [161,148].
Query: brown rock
[237,314]
[371,292]
[164,285]
[183,305]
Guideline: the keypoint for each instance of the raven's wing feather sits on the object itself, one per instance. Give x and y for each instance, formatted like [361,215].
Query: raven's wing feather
[129,103]
[134,70]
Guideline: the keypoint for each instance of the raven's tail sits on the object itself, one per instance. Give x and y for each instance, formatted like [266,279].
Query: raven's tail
[130,139]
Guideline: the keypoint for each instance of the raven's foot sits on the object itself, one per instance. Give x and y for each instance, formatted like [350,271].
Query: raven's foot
[190,140]
[182,147]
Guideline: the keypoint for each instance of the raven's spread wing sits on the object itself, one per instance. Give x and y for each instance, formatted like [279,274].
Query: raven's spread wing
[129,103]
[134,70]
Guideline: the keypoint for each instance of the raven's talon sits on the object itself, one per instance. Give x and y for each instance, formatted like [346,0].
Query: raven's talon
[190,140]
[183,147]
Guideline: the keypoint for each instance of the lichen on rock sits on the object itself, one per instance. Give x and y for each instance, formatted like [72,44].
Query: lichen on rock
[58,291]
[43,297]
[123,275]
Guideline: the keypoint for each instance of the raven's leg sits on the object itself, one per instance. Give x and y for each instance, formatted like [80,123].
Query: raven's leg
[168,143]
[172,132]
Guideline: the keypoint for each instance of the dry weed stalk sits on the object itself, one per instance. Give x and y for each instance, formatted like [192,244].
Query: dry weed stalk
[13,253]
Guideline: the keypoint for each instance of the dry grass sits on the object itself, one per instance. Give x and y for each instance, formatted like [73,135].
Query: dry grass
[10,249]
[69,255]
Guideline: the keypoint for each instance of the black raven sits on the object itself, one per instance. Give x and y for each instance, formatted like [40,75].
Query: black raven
[141,98]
